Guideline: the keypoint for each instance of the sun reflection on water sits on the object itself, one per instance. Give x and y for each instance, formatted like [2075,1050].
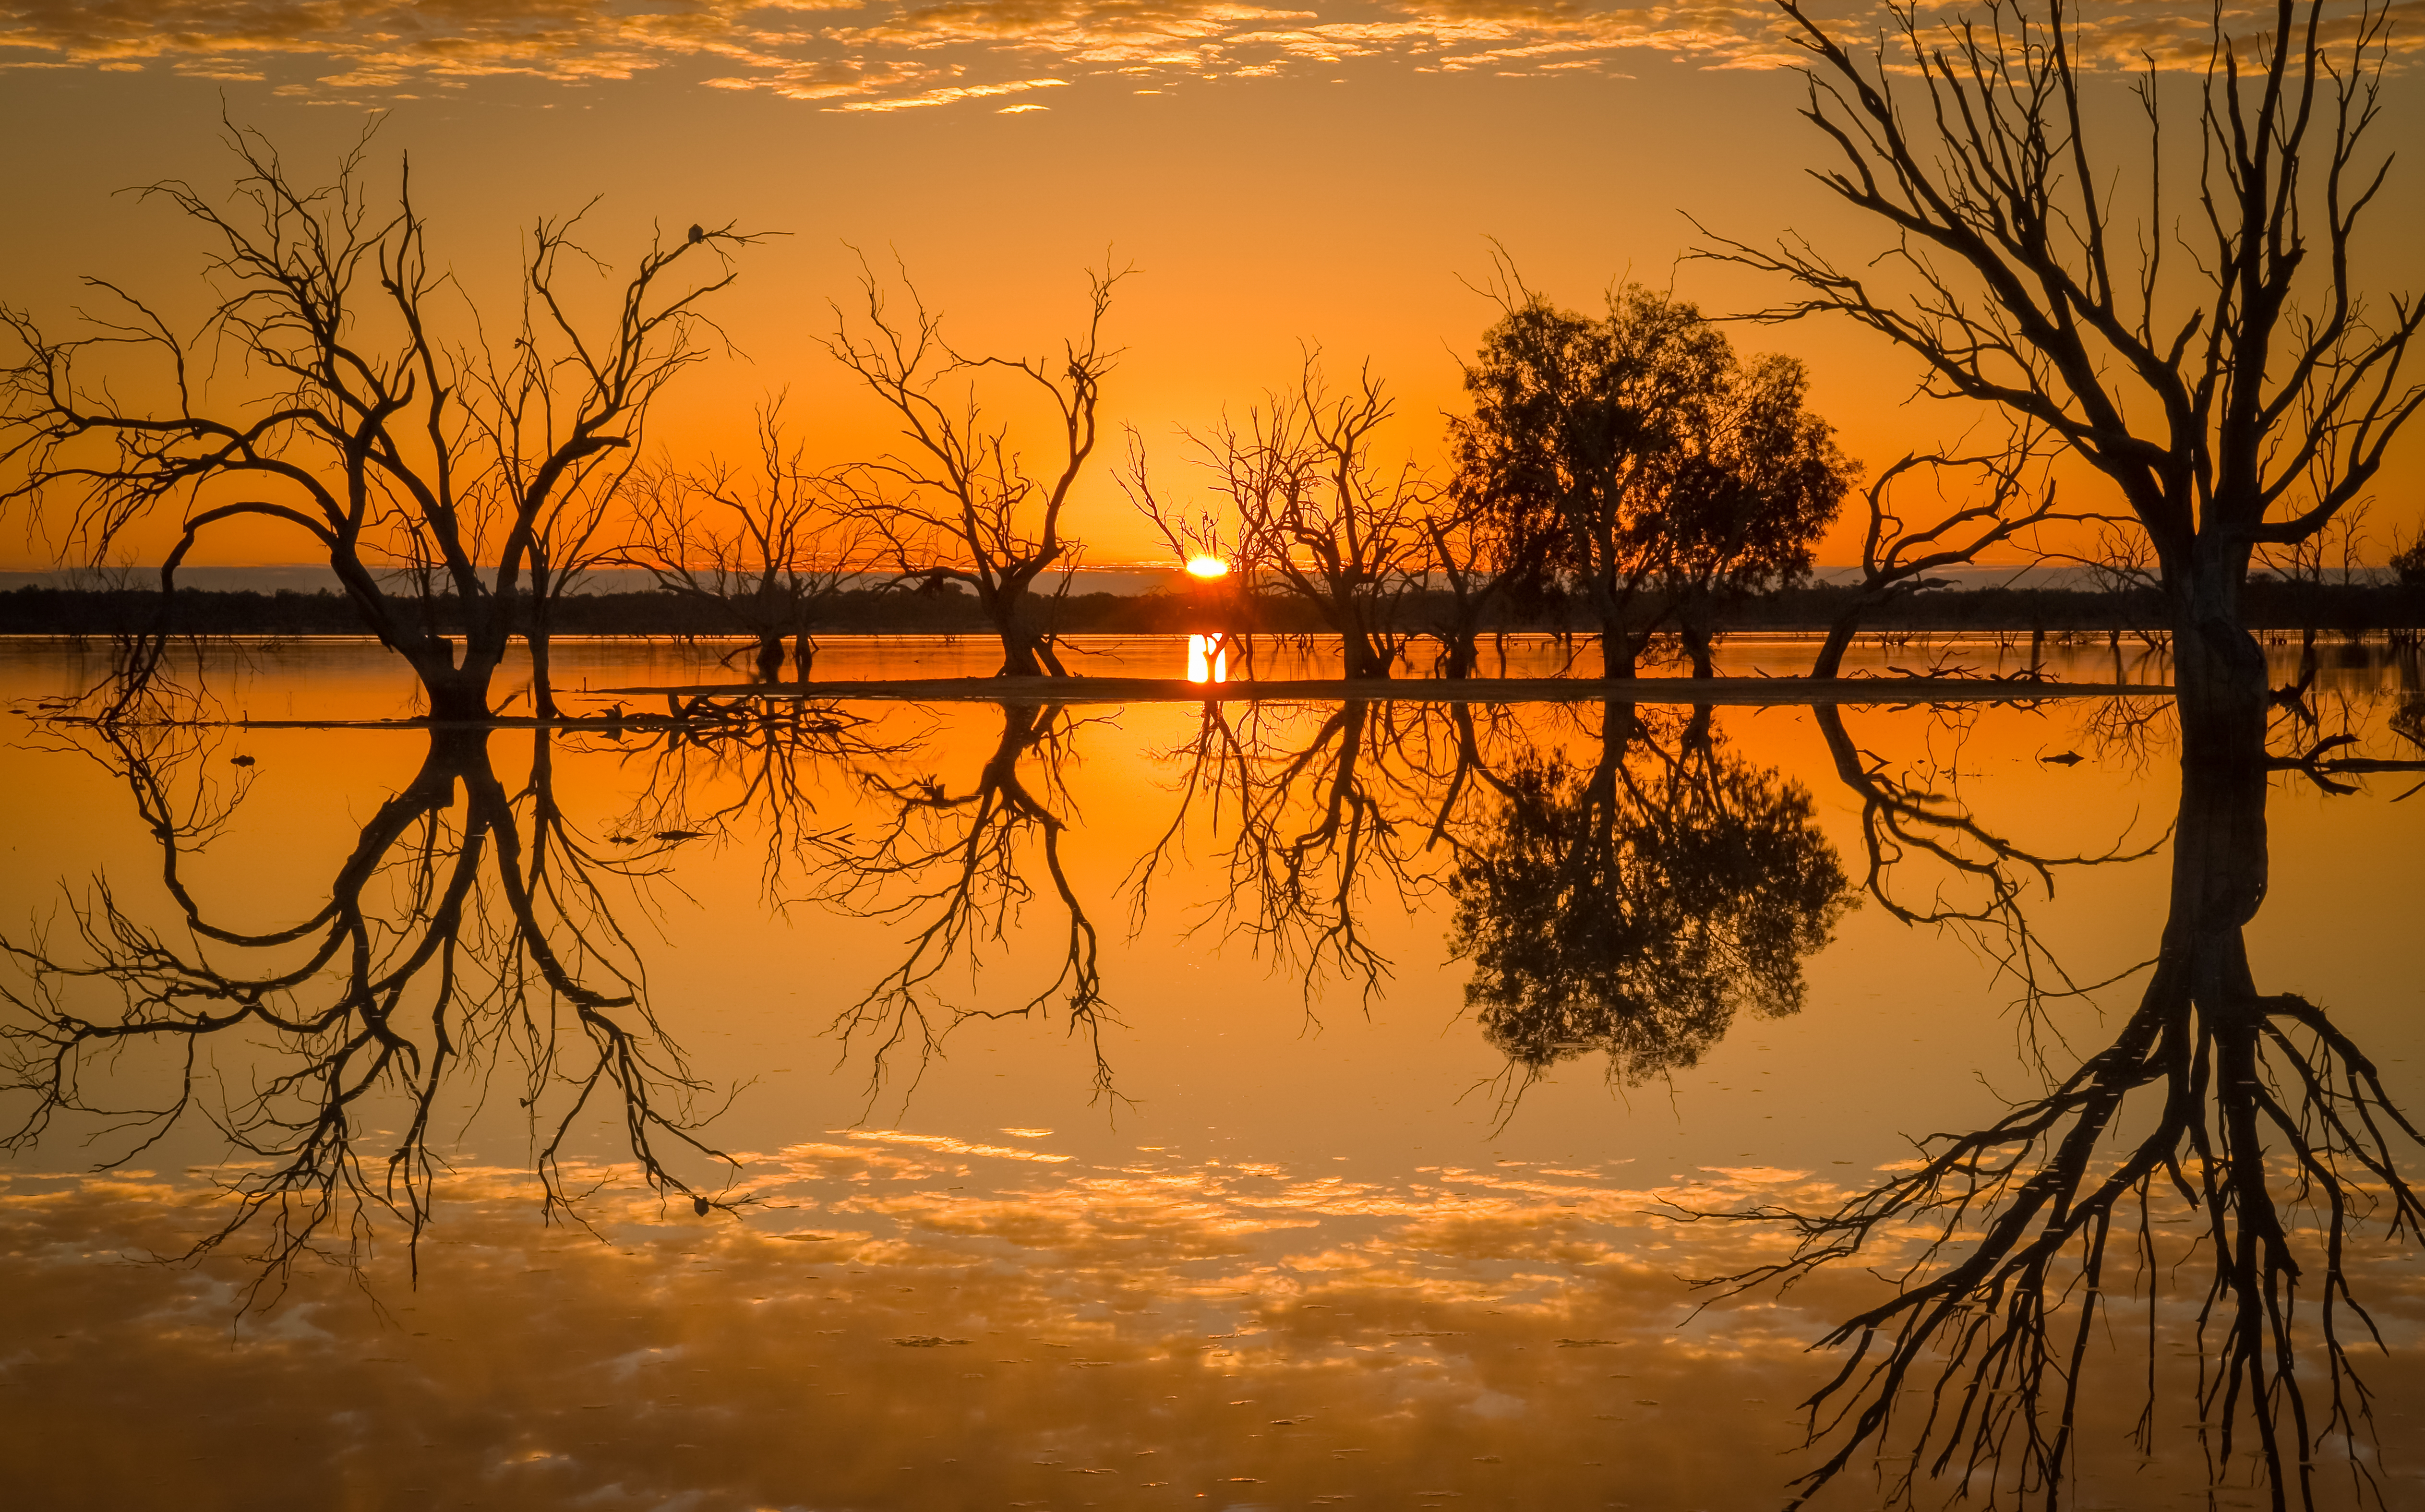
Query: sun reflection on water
[1208,658]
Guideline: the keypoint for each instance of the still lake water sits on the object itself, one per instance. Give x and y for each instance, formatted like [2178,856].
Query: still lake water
[1131,1106]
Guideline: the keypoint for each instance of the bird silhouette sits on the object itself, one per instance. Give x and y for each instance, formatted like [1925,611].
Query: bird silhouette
[698,233]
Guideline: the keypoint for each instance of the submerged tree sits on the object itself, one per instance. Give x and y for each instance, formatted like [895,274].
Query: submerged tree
[1668,471]
[1756,482]
[432,471]
[970,510]
[768,551]
[1318,516]
[2237,396]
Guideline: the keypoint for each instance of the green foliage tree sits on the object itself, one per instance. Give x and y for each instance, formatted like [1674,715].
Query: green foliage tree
[1663,470]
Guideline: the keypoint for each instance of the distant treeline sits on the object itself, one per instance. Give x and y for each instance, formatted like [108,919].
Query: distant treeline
[2271,605]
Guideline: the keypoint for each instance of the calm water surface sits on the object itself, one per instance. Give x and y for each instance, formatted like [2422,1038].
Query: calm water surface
[971,1105]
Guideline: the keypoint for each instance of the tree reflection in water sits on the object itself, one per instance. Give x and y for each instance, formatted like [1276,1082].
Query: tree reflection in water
[469,927]
[1627,884]
[954,871]
[2253,1109]
[1635,906]
[1322,815]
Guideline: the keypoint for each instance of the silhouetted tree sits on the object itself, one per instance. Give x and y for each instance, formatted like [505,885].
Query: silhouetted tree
[1897,554]
[972,512]
[1318,516]
[1756,482]
[769,551]
[1668,472]
[426,467]
[2239,402]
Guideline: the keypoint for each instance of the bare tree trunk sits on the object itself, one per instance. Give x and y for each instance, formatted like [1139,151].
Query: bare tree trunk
[769,659]
[1617,650]
[456,694]
[1363,656]
[2217,670]
[542,689]
[1699,645]
[1829,662]
[1462,654]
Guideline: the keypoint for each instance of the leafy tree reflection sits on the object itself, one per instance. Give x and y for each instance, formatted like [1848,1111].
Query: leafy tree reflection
[470,923]
[1637,905]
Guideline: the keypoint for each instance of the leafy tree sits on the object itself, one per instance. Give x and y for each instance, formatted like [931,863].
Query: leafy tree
[1665,472]
[1756,482]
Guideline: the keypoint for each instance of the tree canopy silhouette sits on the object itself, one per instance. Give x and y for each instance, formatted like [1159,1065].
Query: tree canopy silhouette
[1665,469]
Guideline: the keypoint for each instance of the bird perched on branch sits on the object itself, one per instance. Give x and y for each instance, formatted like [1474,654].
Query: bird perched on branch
[698,233]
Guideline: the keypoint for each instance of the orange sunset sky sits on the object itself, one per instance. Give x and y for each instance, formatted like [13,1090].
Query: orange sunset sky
[1276,176]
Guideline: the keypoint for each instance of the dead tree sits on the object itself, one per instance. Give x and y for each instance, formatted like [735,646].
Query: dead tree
[1897,556]
[968,510]
[1318,516]
[433,474]
[767,550]
[2238,402]
[1226,607]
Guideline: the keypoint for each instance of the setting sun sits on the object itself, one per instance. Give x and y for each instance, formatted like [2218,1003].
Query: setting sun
[1207,567]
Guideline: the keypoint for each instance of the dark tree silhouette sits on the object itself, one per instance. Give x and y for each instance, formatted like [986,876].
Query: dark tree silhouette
[1637,906]
[971,511]
[1667,471]
[769,551]
[1747,495]
[436,474]
[1317,516]
[2238,397]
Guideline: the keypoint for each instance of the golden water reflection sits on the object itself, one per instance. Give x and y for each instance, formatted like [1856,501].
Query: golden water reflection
[914,1292]
[931,1323]
[1208,658]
